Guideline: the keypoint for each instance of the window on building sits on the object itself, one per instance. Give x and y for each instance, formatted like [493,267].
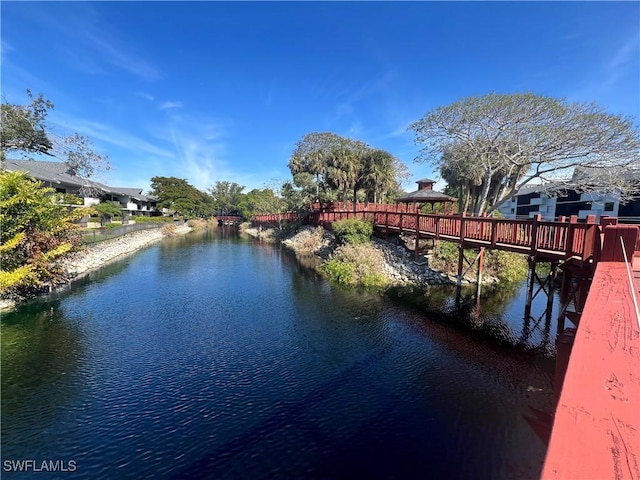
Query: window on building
[608,207]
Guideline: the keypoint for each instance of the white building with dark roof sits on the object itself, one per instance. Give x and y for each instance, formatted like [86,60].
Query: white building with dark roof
[59,176]
[532,200]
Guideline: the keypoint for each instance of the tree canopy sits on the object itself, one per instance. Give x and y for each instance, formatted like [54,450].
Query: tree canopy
[23,127]
[108,210]
[180,197]
[500,142]
[339,167]
[24,131]
[226,196]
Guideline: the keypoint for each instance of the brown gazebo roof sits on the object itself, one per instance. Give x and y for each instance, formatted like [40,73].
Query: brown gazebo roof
[426,194]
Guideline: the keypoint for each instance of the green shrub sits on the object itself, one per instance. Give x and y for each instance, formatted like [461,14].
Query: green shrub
[35,232]
[340,271]
[508,267]
[354,231]
[356,265]
[108,209]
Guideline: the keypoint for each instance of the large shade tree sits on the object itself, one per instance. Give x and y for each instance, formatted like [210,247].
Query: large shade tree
[226,196]
[310,156]
[178,196]
[503,141]
[337,167]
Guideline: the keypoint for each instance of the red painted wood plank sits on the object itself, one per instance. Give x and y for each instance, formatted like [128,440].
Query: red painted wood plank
[596,431]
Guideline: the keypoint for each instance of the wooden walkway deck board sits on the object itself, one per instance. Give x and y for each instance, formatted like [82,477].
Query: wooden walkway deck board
[596,431]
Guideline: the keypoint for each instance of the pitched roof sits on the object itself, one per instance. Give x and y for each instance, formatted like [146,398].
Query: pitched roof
[52,172]
[426,196]
[59,173]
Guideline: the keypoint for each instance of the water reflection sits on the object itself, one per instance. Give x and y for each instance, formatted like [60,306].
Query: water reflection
[213,356]
[39,355]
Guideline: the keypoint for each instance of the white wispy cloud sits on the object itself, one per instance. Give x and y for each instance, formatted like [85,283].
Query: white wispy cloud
[350,99]
[605,79]
[400,131]
[626,53]
[146,96]
[109,46]
[96,44]
[168,105]
[5,47]
[355,130]
[199,150]
[113,136]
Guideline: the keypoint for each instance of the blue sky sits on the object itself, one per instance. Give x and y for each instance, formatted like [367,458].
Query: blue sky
[212,91]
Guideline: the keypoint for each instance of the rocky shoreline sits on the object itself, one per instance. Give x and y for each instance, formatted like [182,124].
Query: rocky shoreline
[80,263]
[99,254]
[400,267]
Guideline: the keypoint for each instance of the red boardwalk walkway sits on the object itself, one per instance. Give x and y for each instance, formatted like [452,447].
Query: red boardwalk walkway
[596,432]
[551,240]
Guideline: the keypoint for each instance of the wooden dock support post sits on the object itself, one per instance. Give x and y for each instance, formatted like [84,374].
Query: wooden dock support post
[417,243]
[480,259]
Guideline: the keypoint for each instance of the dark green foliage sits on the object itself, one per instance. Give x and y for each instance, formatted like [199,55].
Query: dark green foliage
[329,167]
[108,210]
[226,196]
[353,231]
[178,196]
[23,130]
[507,266]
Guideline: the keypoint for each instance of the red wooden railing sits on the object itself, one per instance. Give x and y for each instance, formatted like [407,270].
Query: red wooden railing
[565,238]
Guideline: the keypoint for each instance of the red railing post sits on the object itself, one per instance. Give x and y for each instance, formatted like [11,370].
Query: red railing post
[386,222]
[494,231]
[534,235]
[571,233]
[462,227]
[590,237]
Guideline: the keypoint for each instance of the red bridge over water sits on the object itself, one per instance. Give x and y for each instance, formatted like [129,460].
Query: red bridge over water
[596,425]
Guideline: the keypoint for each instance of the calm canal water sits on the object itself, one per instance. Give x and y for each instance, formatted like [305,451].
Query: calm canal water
[212,356]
